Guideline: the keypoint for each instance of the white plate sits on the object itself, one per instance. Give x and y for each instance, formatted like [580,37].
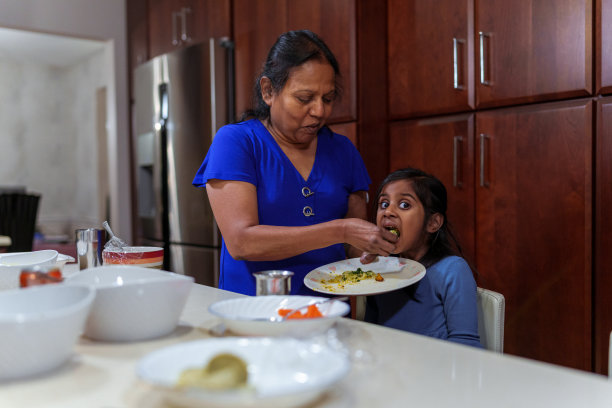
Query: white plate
[397,272]
[238,314]
[282,372]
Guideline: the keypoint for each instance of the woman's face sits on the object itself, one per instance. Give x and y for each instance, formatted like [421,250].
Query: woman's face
[399,207]
[302,107]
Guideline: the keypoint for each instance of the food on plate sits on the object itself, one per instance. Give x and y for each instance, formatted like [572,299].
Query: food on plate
[224,371]
[38,276]
[349,278]
[311,312]
[394,231]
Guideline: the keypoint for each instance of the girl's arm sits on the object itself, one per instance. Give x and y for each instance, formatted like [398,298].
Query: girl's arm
[234,204]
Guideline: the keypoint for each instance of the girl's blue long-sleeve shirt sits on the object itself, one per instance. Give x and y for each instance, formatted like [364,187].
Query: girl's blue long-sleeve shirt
[441,305]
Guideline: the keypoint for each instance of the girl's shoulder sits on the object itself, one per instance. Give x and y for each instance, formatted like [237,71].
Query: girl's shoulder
[449,266]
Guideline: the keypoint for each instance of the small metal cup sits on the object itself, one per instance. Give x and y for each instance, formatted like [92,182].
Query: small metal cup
[273,282]
[90,244]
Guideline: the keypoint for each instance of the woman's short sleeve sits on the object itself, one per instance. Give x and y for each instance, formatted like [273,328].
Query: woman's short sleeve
[230,157]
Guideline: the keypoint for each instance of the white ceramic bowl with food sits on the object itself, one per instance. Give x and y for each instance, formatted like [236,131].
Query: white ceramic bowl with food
[40,326]
[247,315]
[281,372]
[133,303]
[12,263]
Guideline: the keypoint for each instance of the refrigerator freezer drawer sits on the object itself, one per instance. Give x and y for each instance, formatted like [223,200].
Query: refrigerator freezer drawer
[200,262]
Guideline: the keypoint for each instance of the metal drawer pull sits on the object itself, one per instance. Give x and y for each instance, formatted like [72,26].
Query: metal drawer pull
[456,84]
[175,40]
[483,75]
[483,182]
[457,140]
[184,36]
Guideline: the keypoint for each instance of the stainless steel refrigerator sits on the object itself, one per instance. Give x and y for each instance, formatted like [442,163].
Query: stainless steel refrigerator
[180,100]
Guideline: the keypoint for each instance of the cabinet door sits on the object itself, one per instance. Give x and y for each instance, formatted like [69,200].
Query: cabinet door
[603,235]
[258,23]
[137,32]
[430,57]
[533,230]
[443,147]
[603,39]
[530,51]
[206,19]
[164,32]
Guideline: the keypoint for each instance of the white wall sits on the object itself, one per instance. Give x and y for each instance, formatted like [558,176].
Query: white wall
[100,20]
[48,138]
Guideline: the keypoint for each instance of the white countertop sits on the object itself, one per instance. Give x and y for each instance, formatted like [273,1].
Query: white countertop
[394,369]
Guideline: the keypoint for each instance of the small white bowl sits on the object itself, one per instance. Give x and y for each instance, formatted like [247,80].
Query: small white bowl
[12,263]
[40,326]
[133,303]
[246,315]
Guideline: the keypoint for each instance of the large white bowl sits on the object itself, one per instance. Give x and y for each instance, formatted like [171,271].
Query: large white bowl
[246,315]
[133,303]
[12,263]
[39,327]
[282,372]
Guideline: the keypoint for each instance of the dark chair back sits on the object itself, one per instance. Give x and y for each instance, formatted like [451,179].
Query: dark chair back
[18,213]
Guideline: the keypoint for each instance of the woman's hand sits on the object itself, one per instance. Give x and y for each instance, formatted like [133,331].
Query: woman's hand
[368,237]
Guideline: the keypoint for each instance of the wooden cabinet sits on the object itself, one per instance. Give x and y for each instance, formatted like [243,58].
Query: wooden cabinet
[430,57]
[138,32]
[444,147]
[603,41]
[258,23]
[603,236]
[534,226]
[530,51]
[178,23]
[451,56]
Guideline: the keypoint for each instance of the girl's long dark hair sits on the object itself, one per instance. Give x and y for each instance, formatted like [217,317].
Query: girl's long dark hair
[432,194]
[291,50]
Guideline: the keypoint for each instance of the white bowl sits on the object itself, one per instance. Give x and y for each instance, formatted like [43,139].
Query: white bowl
[40,326]
[239,315]
[133,303]
[12,263]
[282,372]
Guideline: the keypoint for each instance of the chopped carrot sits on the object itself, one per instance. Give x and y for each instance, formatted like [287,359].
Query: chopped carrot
[312,312]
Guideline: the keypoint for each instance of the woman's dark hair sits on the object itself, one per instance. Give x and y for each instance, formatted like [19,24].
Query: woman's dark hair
[432,194]
[291,50]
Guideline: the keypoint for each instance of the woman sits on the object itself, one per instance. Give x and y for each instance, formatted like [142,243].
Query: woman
[285,190]
[443,303]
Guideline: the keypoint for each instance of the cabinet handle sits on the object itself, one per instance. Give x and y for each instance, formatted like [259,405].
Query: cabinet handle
[184,32]
[175,40]
[457,141]
[483,141]
[483,60]
[456,84]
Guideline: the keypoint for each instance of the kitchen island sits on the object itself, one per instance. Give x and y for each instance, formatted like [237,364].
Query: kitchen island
[390,368]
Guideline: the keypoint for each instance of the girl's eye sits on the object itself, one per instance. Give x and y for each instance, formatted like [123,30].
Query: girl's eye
[384,205]
[404,205]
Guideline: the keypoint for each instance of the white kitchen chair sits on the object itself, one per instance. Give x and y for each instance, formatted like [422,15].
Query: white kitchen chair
[610,358]
[491,314]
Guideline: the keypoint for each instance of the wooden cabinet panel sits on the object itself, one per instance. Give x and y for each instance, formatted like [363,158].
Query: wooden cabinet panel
[334,21]
[603,236]
[348,129]
[443,147]
[137,27]
[532,50]
[603,40]
[430,57]
[257,25]
[533,229]
[174,24]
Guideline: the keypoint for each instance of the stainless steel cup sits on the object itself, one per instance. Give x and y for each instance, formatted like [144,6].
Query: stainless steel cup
[273,282]
[89,245]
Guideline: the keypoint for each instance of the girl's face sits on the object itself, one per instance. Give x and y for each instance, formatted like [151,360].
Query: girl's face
[399,208]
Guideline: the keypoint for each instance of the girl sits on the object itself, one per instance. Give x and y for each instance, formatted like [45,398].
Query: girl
[443,303]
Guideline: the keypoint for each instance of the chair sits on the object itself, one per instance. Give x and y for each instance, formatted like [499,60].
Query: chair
[491,314]
[18,212]
[610,358]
